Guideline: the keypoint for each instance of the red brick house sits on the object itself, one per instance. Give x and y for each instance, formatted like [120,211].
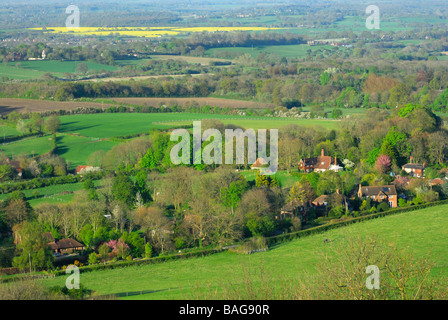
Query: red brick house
[321,163]
[414,169]
[380,194]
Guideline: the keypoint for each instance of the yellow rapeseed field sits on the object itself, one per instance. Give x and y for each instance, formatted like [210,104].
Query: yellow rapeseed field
[149,32]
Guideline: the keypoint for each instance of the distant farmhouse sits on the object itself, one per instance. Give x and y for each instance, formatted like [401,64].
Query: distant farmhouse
[380,194]
[321,163]
[414,169]
[86,169]
[16,166]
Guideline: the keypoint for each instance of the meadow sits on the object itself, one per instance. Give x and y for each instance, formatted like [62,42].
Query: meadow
[296,51]
[11,72]
[59,193]
[60,67]
[286,180]
[416,230]
[74,149]
[80,135]
[8,132]
[266,122]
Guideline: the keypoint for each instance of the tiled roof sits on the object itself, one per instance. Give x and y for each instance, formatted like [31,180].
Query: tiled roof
[376,190]
[66,244]
[259,163]
[320,162]
[413,166]
[321,200]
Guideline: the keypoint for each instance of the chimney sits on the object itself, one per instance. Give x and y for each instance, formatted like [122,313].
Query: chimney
[337,191]
[412,158]
[424,164]
[322,152]
[336,160]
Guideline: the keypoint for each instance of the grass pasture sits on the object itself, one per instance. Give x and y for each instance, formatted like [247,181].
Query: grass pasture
[8,132]
[74,149]
[59,67]
[81,135]
[59,193]
[293,51]
[16,73]
[268,122]
[423,232]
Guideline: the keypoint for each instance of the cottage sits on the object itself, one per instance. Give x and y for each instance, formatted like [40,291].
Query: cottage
[379,194]
[259,164]
[63,246]
[321,163]
[414,169]
[321,201]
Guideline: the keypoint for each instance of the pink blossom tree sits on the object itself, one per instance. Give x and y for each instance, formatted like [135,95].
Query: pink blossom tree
[120,248]
[383,164]
[401,182]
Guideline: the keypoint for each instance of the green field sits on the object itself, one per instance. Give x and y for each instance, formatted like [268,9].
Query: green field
[25,70]
[52,194]
[106,125]
[54,66]
[11,72]
[8,132]
[74,149]
[423,232]
[269,123]
[28,146]
[80,135]
[298,51]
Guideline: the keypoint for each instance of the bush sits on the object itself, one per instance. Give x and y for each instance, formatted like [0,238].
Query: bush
[93,258]
[254,244]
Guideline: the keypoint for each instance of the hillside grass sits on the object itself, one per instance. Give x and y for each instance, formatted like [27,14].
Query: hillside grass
[74,149]
[60,67]
[53,194]
[423,232]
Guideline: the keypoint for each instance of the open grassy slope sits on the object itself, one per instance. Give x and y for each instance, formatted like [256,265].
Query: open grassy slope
[423,231]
